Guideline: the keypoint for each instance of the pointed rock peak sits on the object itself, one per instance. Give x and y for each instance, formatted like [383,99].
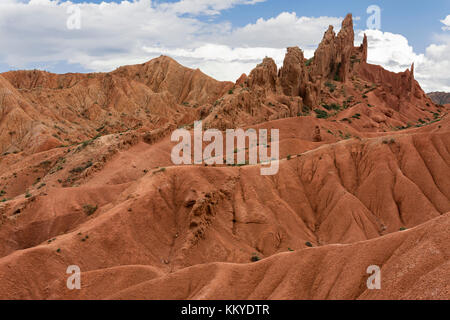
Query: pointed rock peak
[364,48]
[294,52]
[330,32]
[242,80]
[348,21]
[267,62]
[264,75]
[347,33]
[412,69]
[294,56]
[328,36]
[292,75]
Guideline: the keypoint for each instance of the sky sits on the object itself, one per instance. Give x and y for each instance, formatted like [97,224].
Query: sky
[223,38]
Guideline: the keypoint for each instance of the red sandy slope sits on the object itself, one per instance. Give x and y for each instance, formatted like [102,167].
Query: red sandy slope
[86,178]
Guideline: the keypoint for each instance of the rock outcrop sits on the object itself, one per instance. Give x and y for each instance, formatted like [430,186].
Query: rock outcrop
[41,110]
[264,76]
[336,56]
[293,74]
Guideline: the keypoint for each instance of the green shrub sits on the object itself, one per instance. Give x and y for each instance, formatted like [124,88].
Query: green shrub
[346,119]
[331,86]
[82,168]
[89,209]
[336,77]
[321,114]
[45,163]
[255,258]
[333,106]
[160,170]
[308,244]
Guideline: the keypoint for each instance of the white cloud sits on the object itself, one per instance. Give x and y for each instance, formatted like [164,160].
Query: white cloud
[221,61]
[285,30]
[34,34]
[393,52]
[446,22]
[390,50]
[206,7]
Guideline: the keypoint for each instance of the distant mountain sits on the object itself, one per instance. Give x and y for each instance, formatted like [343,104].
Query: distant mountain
[440,97]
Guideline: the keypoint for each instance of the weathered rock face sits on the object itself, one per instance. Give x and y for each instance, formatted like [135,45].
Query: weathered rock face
[400,86]
[337,75]
[363,49]
[345,40]
[325,55]
[40,110]
[164,74]
[370,160]
[334,59]
[336,55]
[264,76]
[317,137]
[293,76]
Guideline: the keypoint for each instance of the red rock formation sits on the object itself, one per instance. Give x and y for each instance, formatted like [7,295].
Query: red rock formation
[336,55]
[44,110]
[370,160]
[325,56]
[364,49]
[317,137]
[293,76]
[264,76]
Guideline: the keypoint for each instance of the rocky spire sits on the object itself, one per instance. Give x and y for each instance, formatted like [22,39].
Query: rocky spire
[346,34]
[412,81]
[364,49]
[264,75]
[345,45]
[332,57]
[293,75]
[325,55]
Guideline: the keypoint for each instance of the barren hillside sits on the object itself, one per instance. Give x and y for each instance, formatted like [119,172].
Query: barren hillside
[86,179]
